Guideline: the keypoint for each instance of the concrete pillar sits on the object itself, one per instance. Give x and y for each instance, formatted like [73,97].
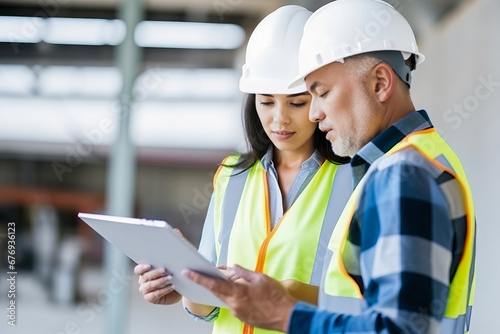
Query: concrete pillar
[121,171]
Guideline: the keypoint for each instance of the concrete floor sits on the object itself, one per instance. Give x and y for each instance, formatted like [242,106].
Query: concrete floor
[37,314]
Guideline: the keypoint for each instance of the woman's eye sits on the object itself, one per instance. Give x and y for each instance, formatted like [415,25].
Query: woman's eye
[298,104]
[266,103]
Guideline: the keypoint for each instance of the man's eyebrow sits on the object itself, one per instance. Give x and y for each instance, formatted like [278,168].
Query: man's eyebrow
[288,96]
[298,94]
[315,85]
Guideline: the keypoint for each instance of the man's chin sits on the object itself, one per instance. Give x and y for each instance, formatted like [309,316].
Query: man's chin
[339,150]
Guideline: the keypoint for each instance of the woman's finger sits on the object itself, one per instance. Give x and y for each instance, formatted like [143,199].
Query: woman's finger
[157,284]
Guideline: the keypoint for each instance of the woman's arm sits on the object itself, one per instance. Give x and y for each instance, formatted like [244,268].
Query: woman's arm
[198,310]
[302,291]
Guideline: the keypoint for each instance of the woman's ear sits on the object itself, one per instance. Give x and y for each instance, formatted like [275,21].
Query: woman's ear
[384,81]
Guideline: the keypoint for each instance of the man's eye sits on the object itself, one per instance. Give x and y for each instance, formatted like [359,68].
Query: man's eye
[324,95]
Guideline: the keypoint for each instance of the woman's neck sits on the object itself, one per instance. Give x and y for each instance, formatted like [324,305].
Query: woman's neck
[288,164]
[291,159]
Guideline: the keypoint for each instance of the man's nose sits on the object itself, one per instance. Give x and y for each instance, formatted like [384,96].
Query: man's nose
[316,115]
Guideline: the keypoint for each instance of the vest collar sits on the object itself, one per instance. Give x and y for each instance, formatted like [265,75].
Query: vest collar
[368,154]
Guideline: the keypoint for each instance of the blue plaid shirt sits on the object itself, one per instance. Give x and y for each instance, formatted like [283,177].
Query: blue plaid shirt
[404,242]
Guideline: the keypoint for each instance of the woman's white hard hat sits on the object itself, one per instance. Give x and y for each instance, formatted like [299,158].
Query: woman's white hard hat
[271,61]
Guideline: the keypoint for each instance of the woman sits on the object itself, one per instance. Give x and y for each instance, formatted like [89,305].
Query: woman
[274,208]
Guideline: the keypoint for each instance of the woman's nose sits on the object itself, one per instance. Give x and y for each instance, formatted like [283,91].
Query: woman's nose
[281,115]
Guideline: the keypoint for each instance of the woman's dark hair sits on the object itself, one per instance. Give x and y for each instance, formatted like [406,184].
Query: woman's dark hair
[259,142]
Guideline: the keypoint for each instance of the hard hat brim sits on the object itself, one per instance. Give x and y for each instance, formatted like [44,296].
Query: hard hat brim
[298,81]
[301,78]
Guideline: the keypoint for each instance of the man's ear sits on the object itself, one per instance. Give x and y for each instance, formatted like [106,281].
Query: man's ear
[384,81]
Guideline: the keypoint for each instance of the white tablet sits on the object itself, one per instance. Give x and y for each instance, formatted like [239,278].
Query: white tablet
[155,242]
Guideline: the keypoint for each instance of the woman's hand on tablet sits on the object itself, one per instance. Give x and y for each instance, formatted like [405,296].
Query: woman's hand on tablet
[155,285]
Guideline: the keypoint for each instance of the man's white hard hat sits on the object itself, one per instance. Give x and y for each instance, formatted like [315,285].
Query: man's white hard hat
[345,28]
[271,61]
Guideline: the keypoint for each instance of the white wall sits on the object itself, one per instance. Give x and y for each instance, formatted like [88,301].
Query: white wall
[463,55]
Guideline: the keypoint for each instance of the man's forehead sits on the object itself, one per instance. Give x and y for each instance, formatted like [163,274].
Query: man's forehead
[321,76]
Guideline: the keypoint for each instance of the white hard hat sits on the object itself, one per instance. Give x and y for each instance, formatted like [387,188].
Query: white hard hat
[345,28]
[272,53]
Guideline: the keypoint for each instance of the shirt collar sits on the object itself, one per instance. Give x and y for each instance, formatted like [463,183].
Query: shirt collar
[314,161]
[267,159]
[368,154]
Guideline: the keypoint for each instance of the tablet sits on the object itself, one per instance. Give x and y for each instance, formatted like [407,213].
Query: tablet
[155,242]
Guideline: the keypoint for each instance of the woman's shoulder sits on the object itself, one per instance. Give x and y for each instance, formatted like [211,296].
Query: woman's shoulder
[231,165]
[227,165]
[230,160]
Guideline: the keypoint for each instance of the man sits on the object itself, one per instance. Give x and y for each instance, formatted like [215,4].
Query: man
[402,253]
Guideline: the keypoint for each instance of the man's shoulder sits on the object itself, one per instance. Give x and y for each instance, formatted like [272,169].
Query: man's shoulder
[405,161]
[403,171]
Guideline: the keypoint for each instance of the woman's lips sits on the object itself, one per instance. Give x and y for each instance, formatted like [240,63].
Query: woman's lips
[283,135]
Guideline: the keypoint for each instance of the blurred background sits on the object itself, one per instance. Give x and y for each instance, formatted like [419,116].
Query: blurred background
[126,107]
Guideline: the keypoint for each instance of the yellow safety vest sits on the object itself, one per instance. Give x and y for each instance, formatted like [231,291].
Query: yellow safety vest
[340,293]
[295,248]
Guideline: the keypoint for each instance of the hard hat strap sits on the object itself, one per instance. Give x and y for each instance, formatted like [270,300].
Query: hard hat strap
[396,61]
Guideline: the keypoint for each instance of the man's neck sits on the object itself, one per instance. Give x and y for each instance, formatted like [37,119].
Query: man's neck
[397,107]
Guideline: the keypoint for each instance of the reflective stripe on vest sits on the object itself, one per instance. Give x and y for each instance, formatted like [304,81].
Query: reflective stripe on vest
[340,293]
[295,248]
[232,198]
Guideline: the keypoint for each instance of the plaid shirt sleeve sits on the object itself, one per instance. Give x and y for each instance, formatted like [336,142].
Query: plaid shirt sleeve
[402,252]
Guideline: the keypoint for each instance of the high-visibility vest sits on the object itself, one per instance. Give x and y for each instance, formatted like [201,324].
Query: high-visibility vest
[295,248]
[339,292]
